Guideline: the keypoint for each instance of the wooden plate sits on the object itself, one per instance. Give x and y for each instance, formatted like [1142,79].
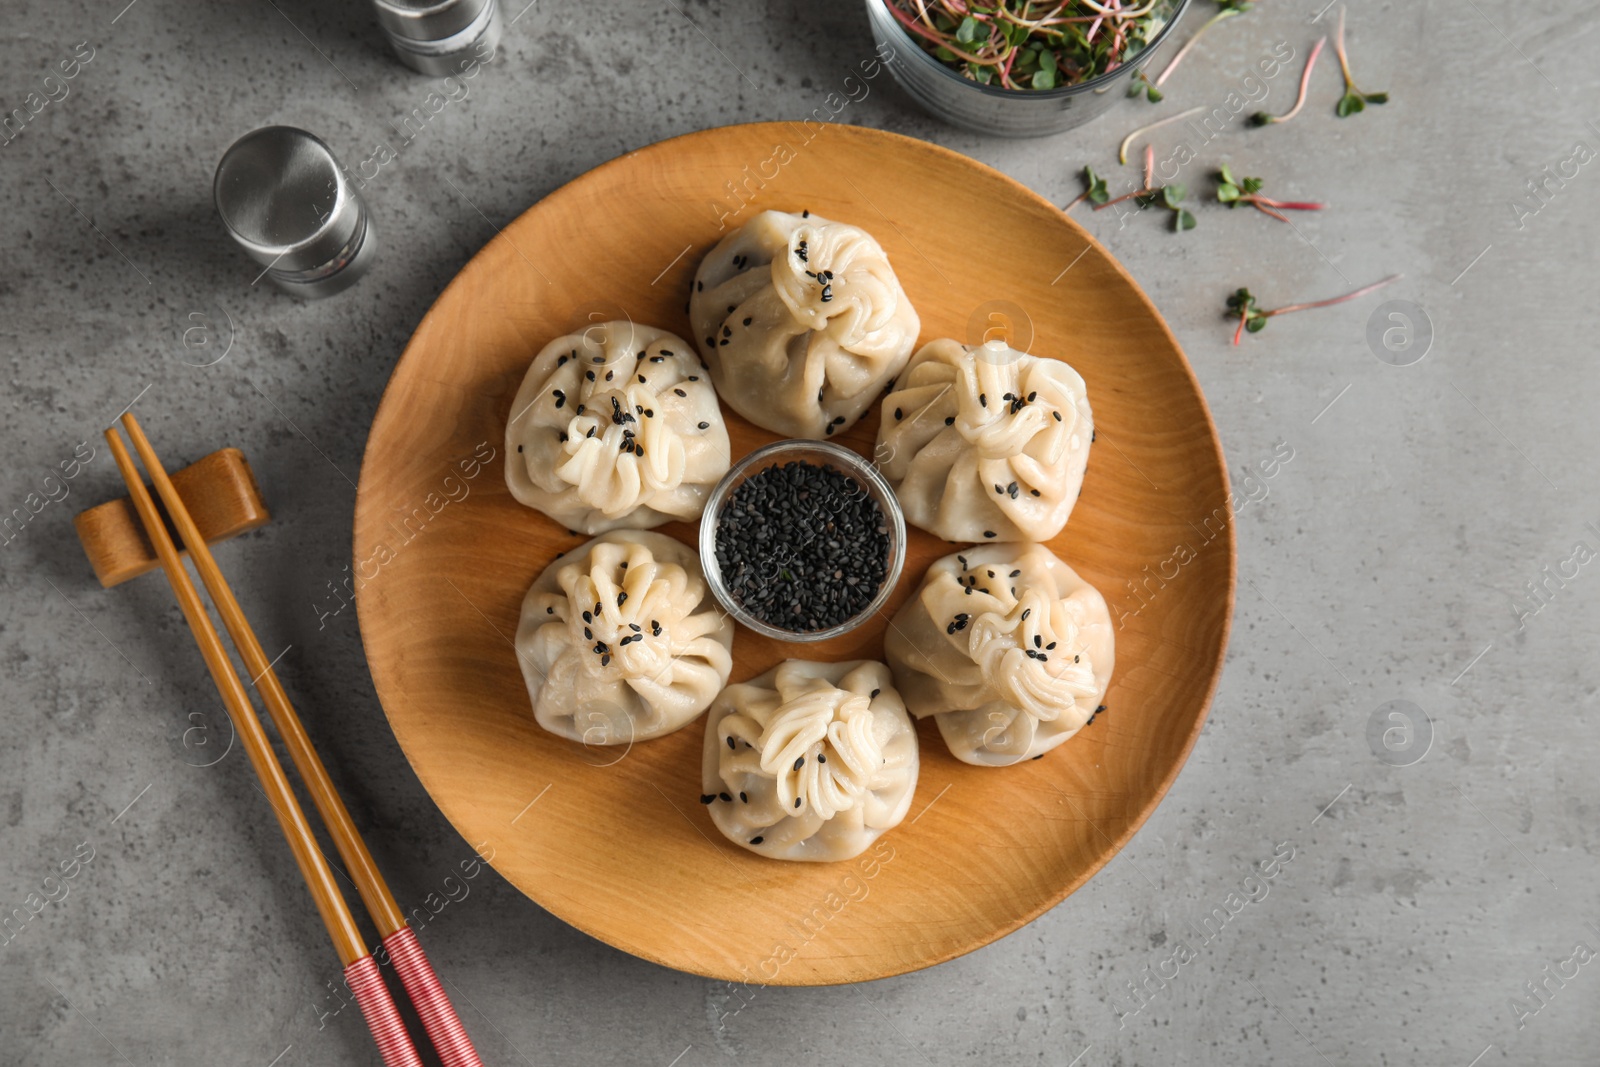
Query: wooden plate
[614,841]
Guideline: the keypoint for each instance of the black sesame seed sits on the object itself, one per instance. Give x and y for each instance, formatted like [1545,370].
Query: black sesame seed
[703,425]
[1057,414]
[983,399]
[706,798]
[730,744]
[641,380]
[950,420]
[563,437]
[549,611]
[680,392]
[699,287]
[560,360]
[694,377]
[988,533]
[725,797]
[874,694]
[1034,492]
[799,763]
[1037,640]
[743,799]
[898,414]
[599,359]
[605,660]
[1032,397]
[1026,612]
[748,321]
[756,840]
[797,802]
[802,547]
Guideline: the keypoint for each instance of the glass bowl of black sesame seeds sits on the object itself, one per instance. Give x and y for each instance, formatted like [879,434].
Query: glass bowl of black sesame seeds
[802,540]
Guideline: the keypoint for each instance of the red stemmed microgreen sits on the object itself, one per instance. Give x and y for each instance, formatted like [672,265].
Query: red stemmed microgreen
[1227,9]
[1242,306]
[1094,191]
[1029,44]
[1354,99]
[1261,118]
[1153,195]
[1235,191]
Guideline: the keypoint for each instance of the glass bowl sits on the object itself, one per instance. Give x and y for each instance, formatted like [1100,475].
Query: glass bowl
[945,94]
[817,453]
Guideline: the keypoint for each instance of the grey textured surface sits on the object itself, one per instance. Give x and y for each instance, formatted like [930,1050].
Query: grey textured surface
[1390,559]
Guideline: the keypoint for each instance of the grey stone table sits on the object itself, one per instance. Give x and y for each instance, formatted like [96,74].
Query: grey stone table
[1428,540]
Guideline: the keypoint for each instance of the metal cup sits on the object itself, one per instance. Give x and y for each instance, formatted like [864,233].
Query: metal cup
[288,203]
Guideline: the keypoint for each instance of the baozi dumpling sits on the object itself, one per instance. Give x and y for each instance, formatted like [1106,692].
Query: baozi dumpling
[810,761]
[619,641]
[987,443]
[802,321]
[1007,648]
[616,426]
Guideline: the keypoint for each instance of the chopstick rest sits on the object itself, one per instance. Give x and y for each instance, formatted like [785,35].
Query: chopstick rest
[221,493]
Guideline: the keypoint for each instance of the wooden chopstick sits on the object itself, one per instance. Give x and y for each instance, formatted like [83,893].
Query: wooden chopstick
[394,1043]
[422,984]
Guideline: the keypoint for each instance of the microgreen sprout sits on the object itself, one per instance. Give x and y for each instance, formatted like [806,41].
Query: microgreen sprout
[1153,195]
[1226,9]
[1127,142]
[1354,99]
[1094,191]
[1242,306]
[1235,191]
[1030,44]
[1141,85]
[1261,118]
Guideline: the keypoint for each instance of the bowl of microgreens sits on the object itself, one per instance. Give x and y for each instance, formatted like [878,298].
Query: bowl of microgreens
[1019,68]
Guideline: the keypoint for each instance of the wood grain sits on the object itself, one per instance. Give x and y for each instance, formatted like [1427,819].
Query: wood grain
[614,841]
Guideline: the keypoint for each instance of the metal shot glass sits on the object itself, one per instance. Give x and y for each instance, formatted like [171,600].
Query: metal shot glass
[818,453]
[286,201]
[439,36]
[945,94]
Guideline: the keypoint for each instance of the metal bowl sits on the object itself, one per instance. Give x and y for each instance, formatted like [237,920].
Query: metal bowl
[945,94]
[817,453]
